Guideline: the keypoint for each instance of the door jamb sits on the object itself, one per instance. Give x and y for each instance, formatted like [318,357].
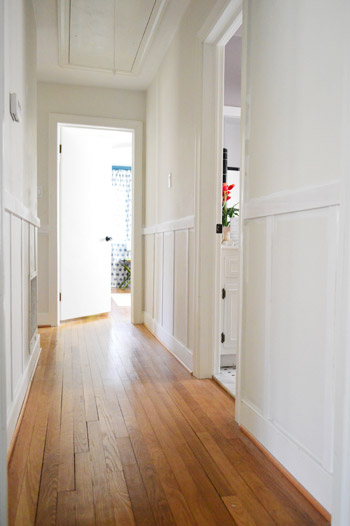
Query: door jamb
[136,127]
[219,28]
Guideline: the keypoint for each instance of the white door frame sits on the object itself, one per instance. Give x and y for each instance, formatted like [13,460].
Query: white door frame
[3,405]
[136,127]
[217,31]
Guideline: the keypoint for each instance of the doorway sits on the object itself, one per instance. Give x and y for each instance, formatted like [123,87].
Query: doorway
[226,359]
[95,228]
[56,122]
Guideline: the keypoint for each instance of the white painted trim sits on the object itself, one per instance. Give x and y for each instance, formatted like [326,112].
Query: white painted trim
[149,35]
[15,207]
[293,201]
[184,223]
[222,23]
[18,398]
[294,458]
[232,111]
[341,450]
[136,127]
[177,349]
[3,403]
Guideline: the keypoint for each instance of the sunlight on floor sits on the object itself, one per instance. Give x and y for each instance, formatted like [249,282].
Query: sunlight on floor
[122,299]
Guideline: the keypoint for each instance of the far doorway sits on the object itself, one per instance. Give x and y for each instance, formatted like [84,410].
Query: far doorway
[95,220]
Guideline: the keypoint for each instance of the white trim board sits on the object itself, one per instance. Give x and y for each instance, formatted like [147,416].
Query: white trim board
[295,459]
[15,207]
[293,201]
[183,223]
[56,119]
[177,349]
[19,396]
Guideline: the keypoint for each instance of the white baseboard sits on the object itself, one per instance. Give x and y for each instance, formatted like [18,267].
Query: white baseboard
[43,318]
[16,406]
[305,469]
[181,353]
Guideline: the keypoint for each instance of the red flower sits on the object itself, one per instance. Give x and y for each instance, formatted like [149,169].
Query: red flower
[231,186]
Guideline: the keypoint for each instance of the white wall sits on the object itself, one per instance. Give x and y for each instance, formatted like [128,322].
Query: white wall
[72,100]
[232,141]
[293,124]
[169,212]
[3,408]
[20,222]
[233,50]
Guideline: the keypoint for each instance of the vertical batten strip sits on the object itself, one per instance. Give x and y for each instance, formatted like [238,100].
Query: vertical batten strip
[267,342]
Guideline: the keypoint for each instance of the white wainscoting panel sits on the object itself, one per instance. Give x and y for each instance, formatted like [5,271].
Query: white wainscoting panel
[26,270]
[300,322]
[43,278]
[158,278]
[20,244]
[191,268]
[16,302]
[168,281]
[168,306]
[181,298]
[287,354]
[7,271]
[254,301]
[148,244]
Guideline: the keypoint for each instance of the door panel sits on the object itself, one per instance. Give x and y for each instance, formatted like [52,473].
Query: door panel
[85,221]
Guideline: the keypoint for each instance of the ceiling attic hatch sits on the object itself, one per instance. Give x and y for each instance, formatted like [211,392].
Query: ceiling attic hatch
[107,35]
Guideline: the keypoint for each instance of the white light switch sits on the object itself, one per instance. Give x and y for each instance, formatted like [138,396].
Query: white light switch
[170,180]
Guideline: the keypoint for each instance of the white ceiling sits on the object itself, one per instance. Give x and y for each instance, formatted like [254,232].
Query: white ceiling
[109,43]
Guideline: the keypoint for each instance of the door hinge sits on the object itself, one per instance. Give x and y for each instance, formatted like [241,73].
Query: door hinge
[60,296]
[222,337]
[219,228]
[60,148]
[223,294]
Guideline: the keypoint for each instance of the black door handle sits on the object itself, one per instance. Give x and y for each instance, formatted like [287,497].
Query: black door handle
[108,238]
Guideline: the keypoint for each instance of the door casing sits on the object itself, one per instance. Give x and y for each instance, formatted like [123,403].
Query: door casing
[136,127]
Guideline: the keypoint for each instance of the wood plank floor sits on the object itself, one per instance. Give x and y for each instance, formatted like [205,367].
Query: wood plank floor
[116,432]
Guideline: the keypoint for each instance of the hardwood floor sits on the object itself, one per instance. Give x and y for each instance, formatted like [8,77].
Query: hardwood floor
[116,431]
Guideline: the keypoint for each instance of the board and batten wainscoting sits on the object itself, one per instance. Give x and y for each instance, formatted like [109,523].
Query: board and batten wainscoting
[21,270]
[286,364]
[169,285]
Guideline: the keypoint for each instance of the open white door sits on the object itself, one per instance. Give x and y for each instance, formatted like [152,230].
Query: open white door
[85,222]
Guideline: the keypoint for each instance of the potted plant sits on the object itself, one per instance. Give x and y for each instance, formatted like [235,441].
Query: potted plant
[227,212]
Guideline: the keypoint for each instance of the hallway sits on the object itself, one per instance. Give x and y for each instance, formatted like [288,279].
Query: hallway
[116,431]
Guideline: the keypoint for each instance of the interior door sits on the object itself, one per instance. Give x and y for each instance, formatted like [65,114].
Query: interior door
[85,222]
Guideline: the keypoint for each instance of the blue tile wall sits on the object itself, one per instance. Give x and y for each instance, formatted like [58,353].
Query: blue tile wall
[121,217]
